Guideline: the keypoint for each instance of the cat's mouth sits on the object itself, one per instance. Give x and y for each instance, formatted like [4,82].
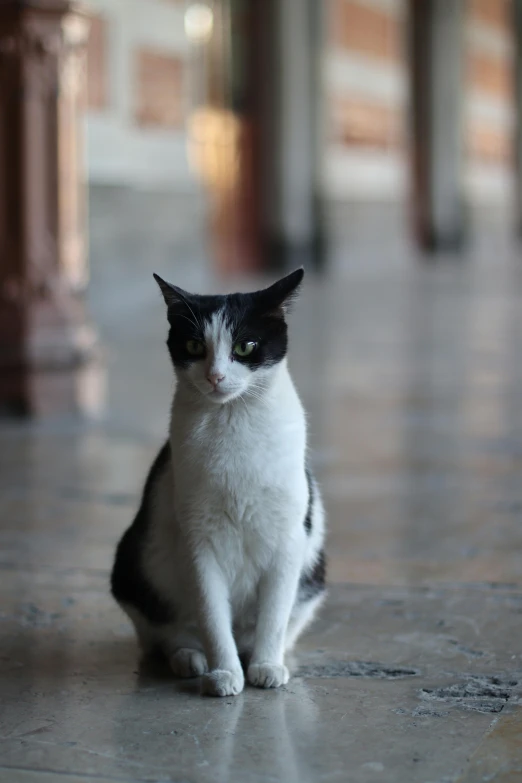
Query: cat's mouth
[218,395]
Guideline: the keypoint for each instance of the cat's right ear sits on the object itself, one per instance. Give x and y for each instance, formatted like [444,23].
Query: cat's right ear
[172,294]
[278,298]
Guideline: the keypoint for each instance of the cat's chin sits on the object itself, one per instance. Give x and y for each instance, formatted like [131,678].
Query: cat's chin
[220,397]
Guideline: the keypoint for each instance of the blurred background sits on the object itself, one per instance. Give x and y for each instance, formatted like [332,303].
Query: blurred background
[221,144]
[216,140]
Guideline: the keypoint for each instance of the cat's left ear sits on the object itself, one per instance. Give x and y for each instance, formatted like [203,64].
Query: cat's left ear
[281,295]
[171,293]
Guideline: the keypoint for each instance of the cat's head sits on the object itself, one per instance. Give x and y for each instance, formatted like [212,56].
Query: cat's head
[224,347]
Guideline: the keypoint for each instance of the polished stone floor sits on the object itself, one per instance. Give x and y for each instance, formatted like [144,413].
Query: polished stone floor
[411,371]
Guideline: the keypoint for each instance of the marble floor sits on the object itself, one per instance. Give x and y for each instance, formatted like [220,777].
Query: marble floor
[411,371]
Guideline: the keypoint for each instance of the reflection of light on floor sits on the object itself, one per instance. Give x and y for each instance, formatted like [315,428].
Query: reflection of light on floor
[213,147]
[81,391]
[91,385]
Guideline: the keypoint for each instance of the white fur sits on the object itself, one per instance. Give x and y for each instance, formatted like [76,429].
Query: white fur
[237,378]
[227,542]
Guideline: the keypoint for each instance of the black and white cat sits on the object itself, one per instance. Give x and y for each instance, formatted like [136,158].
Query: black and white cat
[224,561]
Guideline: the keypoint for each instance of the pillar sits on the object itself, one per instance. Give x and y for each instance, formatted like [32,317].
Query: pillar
[517,64]
[45,334]
[436,76]
[291,133]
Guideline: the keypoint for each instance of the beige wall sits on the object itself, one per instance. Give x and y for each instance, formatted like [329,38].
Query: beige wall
[141,77]
[489,110]
[367,88]
[138,94]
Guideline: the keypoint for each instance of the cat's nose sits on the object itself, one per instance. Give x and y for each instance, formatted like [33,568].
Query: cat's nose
[215,378]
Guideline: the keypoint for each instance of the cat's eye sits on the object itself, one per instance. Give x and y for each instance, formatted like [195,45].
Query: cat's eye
[244,349]
[195,348]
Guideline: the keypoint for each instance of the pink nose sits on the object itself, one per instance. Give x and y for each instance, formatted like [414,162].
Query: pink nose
[214,378]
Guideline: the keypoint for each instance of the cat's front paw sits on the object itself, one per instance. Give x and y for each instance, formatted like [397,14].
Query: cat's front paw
[221,682]
[267,675]
[188,663]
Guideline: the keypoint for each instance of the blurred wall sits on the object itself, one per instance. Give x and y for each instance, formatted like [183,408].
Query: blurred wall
[367,88]
[366,84]
[138,59]
[489,108]
[142,76]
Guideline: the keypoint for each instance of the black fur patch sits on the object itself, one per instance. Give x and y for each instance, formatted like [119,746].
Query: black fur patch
[246,321]
[312,583]
[267,329]
[257,317]
[129,583]
[308,517]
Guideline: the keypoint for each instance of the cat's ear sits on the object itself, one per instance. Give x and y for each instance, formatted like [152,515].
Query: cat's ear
[172,294]
[278,297]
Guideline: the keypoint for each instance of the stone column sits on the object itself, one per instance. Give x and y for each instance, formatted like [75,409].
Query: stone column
[436,58]
[290,37]
[44,331]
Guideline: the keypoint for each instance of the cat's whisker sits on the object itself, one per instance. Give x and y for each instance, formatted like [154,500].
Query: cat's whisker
[254,395]
[239,336]
[197,322]
[241,397]
[191,322]
[257,389]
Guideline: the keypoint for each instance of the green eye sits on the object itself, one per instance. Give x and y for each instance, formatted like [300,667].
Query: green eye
[195,348]
[244,349]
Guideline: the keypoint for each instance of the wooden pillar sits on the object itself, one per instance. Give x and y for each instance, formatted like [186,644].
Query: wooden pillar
[264,109]
[517,64]
[44,331]
[290,132]
[436,57]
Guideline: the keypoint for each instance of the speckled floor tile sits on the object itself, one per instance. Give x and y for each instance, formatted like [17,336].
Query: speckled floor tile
[412,673]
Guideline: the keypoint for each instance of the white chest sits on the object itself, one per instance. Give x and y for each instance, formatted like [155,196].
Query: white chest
[240,471]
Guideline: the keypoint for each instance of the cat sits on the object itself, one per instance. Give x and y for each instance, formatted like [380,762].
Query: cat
[224,565]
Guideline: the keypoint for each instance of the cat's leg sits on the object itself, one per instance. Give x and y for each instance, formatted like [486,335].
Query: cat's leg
[310,596]
[302,615]
[225,677]
[245,644]
[188,662]
[277,591]
[179,645]
[148,638]
[184,652]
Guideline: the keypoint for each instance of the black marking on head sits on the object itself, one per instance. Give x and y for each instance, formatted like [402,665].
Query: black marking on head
[278,298]
[249,321]
[308,517]
[129,583]
[171,293]
[257,317]
[186,314]
[312,582]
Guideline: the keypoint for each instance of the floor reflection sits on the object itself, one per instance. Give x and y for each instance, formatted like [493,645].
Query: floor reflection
[411,376]
[287,720]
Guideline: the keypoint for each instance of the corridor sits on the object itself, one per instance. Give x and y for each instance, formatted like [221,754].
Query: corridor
[411,372]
